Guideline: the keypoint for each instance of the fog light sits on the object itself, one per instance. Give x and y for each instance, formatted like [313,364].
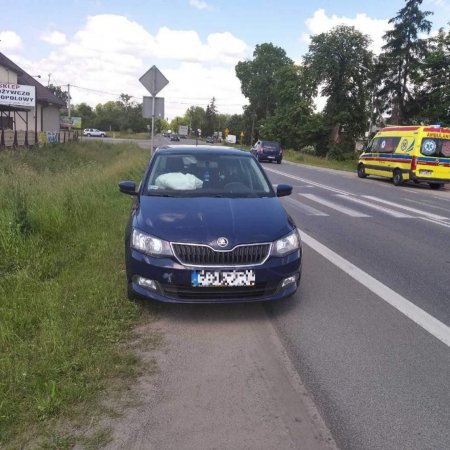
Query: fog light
[289,280]
[151,285]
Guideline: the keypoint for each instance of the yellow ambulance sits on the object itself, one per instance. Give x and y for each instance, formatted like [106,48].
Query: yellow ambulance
[402,153]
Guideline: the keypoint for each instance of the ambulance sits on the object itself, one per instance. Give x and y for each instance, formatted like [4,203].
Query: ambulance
[402,153]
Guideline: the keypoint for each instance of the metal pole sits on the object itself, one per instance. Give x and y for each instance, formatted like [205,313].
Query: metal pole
[153,124]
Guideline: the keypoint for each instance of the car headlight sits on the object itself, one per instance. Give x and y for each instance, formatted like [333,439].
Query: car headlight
[150,245]
[287,244]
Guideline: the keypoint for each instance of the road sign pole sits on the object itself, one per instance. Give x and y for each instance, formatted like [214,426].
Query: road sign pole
[153,125]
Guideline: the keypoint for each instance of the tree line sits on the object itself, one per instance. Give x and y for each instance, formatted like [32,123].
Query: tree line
[407,83]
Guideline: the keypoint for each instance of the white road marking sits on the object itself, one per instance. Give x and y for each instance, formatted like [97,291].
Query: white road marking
[407,208]
[383,209]
[342,209]
[313,183]
[429,323]
[308,210]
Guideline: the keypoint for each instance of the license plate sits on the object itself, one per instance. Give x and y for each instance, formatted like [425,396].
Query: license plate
[271,157]
[425,172]
[222,278]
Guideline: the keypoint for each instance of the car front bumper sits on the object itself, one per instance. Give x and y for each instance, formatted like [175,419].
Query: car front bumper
[166,280]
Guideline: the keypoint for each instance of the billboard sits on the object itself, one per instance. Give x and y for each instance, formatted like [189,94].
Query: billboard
[69,122]
[21,95]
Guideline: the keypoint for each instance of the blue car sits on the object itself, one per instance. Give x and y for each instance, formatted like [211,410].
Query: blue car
[207,226]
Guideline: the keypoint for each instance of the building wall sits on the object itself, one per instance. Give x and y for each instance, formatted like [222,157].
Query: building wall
[7,76]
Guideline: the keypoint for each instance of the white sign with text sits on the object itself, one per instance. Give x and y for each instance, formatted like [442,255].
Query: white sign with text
[12,94]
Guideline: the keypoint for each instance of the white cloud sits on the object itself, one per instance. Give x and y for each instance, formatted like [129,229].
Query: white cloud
[55,38]
[199,4]
[110,53]
[10,41]
[375,28]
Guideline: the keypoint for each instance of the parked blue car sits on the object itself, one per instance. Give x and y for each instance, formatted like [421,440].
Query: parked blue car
[207,226]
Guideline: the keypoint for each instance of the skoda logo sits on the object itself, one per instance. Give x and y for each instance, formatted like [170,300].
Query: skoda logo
[222,242]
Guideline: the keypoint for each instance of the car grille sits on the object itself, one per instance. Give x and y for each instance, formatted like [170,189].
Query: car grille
[202,255]
[224,294]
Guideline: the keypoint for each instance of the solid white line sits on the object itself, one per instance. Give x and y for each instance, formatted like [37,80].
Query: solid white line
[437,222]
[383,209]
[429,323]
[342,209]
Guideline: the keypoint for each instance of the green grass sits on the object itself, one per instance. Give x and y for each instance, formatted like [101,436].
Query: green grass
[63,308]
[311,160]
[129,135]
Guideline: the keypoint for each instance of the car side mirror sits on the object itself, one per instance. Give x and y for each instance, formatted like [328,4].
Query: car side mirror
[283,190]
[128,187]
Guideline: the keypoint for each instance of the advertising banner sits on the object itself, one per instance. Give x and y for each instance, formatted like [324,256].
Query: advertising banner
[70,122]
[17,95]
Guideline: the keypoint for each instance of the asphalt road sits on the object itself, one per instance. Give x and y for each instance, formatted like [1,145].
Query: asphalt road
[379,378]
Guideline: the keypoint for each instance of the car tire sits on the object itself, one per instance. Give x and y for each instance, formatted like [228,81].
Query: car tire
[279,161]
[361,171]
[397,178]
[88,135]
[102,135]
[435,186]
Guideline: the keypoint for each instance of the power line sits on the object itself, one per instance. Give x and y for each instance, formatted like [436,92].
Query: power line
[192,101]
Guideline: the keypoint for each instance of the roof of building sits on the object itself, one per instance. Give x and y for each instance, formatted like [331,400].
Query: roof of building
[43,94]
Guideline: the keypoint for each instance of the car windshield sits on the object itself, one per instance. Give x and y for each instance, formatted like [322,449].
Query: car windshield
[206,174]
[270,145]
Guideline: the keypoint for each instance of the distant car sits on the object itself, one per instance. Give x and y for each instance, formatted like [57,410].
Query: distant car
[165,134]
[207,226]
[267,151]
[93,132]
[210,140]
[174,137]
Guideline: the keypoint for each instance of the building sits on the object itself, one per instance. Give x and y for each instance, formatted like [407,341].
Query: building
[22,117]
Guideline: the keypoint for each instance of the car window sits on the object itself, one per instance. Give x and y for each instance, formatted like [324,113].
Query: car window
[435,147]
[206,175]
[384,144]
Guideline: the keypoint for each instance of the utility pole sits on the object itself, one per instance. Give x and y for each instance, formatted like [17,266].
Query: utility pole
[68,99]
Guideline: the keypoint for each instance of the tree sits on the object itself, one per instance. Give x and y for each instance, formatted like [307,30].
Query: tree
[294,90]
[401,58]
[258,78]
[62,95]
[338,62]
[86,113]
[210,118]
[433,92]
[195,117]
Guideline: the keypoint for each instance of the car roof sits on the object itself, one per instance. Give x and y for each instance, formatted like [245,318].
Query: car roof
[201,149]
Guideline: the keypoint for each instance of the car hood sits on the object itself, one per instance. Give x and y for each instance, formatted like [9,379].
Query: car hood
[205,219]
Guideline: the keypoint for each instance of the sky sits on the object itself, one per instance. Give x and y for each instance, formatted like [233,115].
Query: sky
[102,47]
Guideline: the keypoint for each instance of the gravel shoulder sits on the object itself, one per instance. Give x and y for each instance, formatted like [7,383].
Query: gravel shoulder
[224,382]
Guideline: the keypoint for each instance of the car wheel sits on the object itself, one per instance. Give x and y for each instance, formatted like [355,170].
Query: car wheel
[88,135]
[279,161]
[361,171]
[102,135]
[397,179]
[435,186]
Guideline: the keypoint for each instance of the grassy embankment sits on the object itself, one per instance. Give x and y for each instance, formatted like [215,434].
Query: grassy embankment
[310,160]
[63,307]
